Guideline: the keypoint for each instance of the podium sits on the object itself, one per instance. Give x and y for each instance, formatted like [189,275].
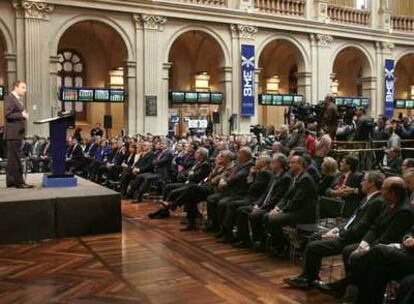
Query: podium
[57,127]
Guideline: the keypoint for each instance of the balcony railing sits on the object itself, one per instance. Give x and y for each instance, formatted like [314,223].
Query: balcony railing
[402,23]
[221,3]
[348,15]
[282,7]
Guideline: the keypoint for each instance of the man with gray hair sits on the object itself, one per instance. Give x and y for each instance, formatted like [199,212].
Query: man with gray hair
[257,181]
[255,212]
[231,188]
[334,241]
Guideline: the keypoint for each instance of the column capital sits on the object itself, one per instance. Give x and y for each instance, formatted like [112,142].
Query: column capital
[34,8]
[321,40]
[384,46]
[150,22]
[243,31]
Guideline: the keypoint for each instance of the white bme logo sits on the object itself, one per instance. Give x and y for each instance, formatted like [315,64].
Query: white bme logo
[389,85]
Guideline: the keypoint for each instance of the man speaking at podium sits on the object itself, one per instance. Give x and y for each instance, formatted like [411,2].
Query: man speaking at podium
[15,117]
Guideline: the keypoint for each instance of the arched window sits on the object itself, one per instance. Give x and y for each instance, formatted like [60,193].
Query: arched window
[71,73]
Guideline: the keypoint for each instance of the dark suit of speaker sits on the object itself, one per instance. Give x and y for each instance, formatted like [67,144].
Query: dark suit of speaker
[14,134]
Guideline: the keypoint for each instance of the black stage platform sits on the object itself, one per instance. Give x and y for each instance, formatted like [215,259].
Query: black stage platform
[48,213]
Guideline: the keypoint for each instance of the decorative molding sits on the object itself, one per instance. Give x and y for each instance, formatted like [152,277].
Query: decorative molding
[150,22]
[243,31]
[324,40]
[34,9]
[387,45]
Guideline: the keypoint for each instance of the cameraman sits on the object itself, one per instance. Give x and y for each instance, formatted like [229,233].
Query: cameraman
[364,126]
[330,116]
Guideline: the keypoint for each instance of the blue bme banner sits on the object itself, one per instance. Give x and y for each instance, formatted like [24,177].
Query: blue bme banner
[389,88]
[247,73]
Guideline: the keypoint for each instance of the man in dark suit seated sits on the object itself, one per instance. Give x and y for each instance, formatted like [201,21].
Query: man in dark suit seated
[175,193]
[344,191]
[257,182]
[103,154]
[389,227]
[232,188]
[115,160]
[45,156]
[74,157]
[141,166]
[116,172]
[161,172]
[334,241]
[405,294]
[194,175]
[196,193]
[184,163]
[378,266]
[392,165]
[298,206]
[255,213]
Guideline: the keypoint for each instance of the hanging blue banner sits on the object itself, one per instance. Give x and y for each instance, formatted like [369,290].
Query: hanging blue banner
[247,73]
[389,88]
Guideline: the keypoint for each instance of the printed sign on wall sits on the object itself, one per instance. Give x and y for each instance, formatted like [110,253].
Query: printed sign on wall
[248,73]
[389,88]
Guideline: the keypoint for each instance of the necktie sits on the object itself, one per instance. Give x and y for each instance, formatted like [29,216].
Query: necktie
[352,219]
[269,193]
[340,182]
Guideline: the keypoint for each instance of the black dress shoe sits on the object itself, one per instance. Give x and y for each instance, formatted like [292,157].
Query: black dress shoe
[184,222]
[335,289]
[242,244]
[224,240]
[24,186]
[259,247]
[164,213]
[189,227]
[297,282]
[153,214]
[211,228]
[219,234]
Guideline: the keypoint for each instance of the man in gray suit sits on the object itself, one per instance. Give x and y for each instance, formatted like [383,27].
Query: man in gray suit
[15,117]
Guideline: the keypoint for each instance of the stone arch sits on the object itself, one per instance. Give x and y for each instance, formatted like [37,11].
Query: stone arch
[210,32]
[5,33]
[358,47]
[304,60]
[105,20]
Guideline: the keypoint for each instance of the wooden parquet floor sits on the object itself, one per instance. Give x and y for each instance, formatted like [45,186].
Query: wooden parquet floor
[149,262]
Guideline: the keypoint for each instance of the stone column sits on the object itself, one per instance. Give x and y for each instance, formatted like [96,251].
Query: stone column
[383,50]
[305,86]
[369,89]
[226,83]
[151,27]
[324,66]
[11,69]
[35,16]
[314,67]
[56,105]
[241,34]
[130,109]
